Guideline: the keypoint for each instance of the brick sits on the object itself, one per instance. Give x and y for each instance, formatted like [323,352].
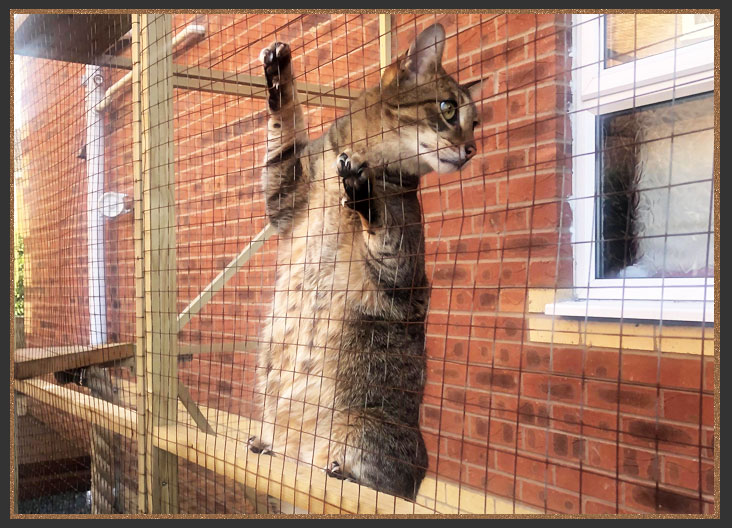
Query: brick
[553,388]
[509,328]
[707,410]
[511,300]
[627,398]
[685,373]
[535,359]
[502,406]
[640,368]
[709,374]
[599,424]
[601,455]
[591,507]
[480,352]
[501,460]
[508,355]
[533,494]
[450,274]
[640,464]
[707,480]
[533,413]
[565,446]
[499,484]
[567,478]
[531,468]
[563,502]
[533,439]
[602,364]
[681,472]
[475,454]
[567,418]
[681,406]
[599,486]
[649,499]
[567,361]
[669,437]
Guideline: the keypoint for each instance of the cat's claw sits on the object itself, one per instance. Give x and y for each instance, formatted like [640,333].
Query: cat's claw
[277,59]
[356,184]
[335,470]
[345,164]
[257,448]
[350,169]
[276,54]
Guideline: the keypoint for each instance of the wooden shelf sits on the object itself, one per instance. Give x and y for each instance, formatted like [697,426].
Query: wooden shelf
[32,362]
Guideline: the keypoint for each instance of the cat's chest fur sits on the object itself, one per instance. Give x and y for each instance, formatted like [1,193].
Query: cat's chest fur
[320,278]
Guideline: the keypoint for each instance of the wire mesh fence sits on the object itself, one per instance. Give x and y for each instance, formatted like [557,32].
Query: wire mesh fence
[365,263]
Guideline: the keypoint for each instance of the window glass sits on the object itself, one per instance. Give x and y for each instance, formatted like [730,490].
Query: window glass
[655,188]
[635,36]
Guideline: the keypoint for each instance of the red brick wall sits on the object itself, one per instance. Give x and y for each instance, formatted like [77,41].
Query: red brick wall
[54,194]
[565,428]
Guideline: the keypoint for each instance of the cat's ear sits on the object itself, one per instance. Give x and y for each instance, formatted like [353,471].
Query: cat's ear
[474,88]
[392,71]
[425,54]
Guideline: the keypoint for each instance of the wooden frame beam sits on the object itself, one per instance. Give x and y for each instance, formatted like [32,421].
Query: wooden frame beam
[228,83]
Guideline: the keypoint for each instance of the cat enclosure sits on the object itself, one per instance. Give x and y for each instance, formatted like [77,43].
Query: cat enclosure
[570,357]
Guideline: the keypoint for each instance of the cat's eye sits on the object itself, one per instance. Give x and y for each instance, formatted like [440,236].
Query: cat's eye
[475,124]
[449,110]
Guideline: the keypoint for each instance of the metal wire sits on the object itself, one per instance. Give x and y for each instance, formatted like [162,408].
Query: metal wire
[529,405]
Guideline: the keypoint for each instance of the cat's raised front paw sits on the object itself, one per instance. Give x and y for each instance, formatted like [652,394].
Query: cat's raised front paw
[274,57]
[277,61]
[350,164]
[351,168]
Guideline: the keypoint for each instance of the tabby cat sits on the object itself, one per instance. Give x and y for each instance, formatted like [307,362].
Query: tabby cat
[342,368]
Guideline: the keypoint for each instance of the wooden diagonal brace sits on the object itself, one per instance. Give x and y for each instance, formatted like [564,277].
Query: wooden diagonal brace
[197,304]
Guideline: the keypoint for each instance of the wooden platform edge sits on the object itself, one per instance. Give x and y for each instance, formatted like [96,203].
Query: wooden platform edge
[304,486]
[76,357]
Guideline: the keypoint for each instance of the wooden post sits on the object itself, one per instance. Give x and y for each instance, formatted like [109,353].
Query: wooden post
[384,41]
[106,478]
[159,286]
[139,267]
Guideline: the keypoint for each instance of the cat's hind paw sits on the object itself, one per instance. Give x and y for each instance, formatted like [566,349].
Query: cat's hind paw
[335,470]
[257,447]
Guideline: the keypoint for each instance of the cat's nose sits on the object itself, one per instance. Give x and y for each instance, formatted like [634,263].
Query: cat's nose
[470,150]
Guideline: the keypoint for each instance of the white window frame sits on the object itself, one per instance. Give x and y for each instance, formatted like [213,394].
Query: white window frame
[597,91]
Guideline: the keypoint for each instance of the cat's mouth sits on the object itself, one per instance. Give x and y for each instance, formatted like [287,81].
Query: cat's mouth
[443,155]
[457,161]
[454,163]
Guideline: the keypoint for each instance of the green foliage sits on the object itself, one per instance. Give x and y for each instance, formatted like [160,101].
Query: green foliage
[19,278]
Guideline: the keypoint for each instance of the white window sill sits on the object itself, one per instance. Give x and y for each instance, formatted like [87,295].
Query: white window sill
[690,311]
